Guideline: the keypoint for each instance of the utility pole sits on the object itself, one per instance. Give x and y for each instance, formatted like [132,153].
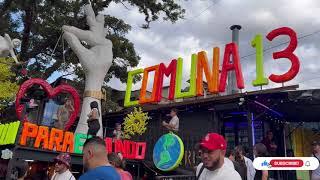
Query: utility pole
[232,83]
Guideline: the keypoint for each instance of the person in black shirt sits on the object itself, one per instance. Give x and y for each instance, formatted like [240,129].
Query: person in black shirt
[240,168]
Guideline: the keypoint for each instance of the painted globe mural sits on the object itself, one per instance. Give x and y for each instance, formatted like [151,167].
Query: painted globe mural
[168,152]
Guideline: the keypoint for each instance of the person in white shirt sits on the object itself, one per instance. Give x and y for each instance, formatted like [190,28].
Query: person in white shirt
[173,125]
[62,165]
[228,163]
[213,149]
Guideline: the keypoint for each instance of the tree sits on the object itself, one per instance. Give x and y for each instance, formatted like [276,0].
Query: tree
[38,24]
[8,88]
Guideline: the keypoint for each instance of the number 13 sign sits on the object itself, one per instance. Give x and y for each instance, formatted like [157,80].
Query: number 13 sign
[257,43]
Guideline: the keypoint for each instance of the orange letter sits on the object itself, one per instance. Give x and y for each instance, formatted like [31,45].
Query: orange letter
[56,137]
[29,130]
[212,78]
[68,142]
[143,99]
[43,135]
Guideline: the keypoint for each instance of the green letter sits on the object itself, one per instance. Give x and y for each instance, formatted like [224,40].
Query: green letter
[127,99]
[14,127]
[79,141]
[4,134]
[257,43]
[192,88]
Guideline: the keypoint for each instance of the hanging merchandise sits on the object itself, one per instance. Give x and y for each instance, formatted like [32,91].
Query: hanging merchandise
[6,154]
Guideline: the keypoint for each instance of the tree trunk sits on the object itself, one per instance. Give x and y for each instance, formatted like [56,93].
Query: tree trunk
[26,32]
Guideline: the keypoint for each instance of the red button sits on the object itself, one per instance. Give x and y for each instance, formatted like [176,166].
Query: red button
[286,163]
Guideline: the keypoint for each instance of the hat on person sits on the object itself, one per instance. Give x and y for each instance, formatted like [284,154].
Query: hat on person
[315,143]
[213,141]
[64,158]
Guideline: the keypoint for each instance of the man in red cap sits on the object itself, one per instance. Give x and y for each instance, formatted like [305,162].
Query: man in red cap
[213,149]
[62,166]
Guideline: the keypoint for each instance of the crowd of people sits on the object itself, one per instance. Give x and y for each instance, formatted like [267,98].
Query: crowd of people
[97,164]
[217,161]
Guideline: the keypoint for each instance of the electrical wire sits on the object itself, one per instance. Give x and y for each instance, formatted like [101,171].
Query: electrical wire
[280,44]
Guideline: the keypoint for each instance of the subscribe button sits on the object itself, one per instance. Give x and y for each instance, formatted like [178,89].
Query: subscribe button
[286,163]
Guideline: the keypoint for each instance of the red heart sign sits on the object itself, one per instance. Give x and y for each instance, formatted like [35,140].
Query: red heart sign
[51,93]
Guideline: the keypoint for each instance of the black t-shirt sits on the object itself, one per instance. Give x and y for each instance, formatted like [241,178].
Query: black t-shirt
[258,175]
[241,169]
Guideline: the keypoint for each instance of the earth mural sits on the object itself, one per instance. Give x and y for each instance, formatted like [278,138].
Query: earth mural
[168,152]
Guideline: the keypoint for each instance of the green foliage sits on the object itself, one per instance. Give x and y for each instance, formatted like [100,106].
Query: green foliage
[8,88]
[38,24]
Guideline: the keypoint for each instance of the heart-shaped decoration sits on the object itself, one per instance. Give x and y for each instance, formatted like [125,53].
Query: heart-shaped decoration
[51,93]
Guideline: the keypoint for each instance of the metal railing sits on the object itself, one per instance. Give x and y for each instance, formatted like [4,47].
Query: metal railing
[176,177]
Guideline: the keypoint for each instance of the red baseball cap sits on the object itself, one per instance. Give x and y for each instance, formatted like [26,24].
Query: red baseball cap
[213,141]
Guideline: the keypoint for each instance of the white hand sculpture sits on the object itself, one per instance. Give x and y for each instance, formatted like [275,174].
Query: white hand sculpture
[7,46]
[95,61]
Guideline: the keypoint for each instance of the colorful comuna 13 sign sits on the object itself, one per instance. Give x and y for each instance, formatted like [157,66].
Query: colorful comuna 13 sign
[216,80]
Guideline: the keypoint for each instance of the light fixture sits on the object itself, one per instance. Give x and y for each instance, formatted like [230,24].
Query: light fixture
[29,160]
[266,107]
[241,101]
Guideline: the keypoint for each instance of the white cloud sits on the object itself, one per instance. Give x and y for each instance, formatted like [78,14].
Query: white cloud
[207,27]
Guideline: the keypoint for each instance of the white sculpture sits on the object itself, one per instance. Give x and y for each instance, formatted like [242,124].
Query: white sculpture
[7,47]
[95,61]
[6,154]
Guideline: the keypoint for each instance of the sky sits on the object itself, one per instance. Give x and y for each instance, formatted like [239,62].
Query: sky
[206,25]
